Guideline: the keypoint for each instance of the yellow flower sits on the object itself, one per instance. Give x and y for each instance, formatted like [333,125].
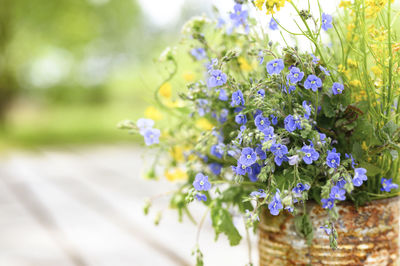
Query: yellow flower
[259,4]
[188,76]
[204,124]
[152,113]
[166,90]
[175,174]
[344,4]
[244,65]
[342,69]
[364,146]
[376,70]
[274,4]
[355,83]
[177,153]
[352,63]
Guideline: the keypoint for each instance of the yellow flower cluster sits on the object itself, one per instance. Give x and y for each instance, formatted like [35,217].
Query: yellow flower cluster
[272,6]
[373,7]
[175,174]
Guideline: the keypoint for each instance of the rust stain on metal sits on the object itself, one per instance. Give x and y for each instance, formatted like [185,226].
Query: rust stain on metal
[368,235]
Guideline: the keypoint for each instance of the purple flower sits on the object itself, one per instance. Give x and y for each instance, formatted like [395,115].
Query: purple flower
[201,197]
[262,122]
[300,188]
[268,133]
[151,136]
[215,168]
[307,109]
[239,16]
[237,98]
[360,176]
[201,182]
[220,23]
[241,169]
[327,230]
[248,156]
[261,92]
[143,124]
[295,75]
[292,123]
[313,82]
[327,203]
[217,150]
[322,138]
[353,163]
[241,119]
[323,69]
[261,57]
[273,25]
[222,95]
[280,159]
[310,154]
[333,158]
[337,88]
[223,116]
[341,182]
[217,78]
[279,149]
[198,53]
[255,170]
[315,59]
[261,154]
[337,193]
[202,106]
[276,204]
[387,185]
[326,21]
[274,120]
[258,194]
[275,66]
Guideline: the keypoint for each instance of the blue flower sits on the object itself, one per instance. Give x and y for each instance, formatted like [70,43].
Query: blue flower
[210,65]
[322,138]
[274,120]
[217,150]
[360,176]
[220,23]
[293,160]
[261,154]
[217,78]
[315,59]
[326,228]
[337,88]
[255,170]
[291,88]
[310,154]
[223,116]
[258,194]
[248,156]
[341,182]
[295,75]
[241,169]
[387,185]
[323,69]
[313,82]
[237,98]
[241,119]
[326,21]
[151,136]
[261,57]
[280,159]
[333,159]
[222,95]
[262,122]
[201,197]
[307,108]
[276,204]
[261,92]
[279,149]
[272,24]
[275,66]
[268,133]
[201,182]
[337,193]
[198,53]
[143,124]
[300,188]
[239,16]
[215,168]
[327,203]
[353,163]
[202,106]
[292,123]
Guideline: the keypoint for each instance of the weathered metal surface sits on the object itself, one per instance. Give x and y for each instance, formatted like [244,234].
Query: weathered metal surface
[368,235]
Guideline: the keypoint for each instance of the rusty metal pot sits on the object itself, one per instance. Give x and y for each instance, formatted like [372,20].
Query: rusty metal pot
[368,235]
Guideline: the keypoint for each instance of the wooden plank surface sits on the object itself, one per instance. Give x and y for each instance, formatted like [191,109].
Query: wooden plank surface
[85,205]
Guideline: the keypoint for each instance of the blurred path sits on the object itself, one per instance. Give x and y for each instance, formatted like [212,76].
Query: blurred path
[83,207]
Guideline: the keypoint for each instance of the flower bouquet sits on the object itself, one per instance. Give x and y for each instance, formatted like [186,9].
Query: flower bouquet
[298,135]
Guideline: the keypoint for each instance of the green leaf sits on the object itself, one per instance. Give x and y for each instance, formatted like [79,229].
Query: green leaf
[390,128]
[327,108]
[222,223]
[304,227]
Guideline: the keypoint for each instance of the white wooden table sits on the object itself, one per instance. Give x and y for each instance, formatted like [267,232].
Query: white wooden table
[83,207]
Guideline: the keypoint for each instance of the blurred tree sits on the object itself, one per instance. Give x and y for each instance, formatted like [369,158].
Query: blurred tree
[78,39]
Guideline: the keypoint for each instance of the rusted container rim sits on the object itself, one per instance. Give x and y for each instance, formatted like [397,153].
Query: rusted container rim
[348,202]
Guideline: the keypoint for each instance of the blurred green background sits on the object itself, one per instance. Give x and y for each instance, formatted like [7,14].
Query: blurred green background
[70,70]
